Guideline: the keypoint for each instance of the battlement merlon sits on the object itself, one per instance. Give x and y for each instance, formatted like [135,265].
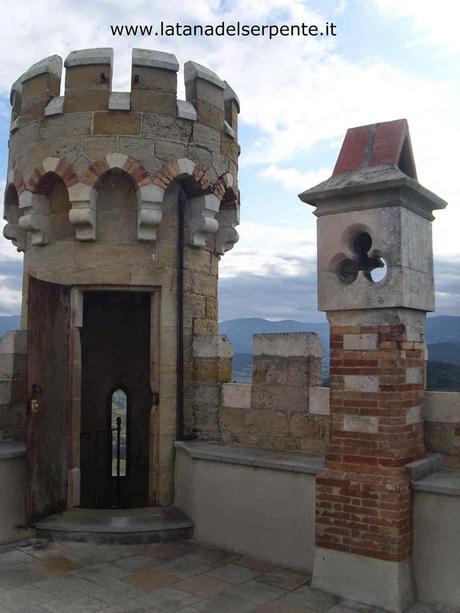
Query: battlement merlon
[88,88]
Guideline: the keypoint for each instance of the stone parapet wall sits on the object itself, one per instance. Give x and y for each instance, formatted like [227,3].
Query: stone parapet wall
[13,366]
[274,412]
[442,426]
[212,368]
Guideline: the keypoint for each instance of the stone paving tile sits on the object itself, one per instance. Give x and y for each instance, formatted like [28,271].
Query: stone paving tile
[151,579]
[284,578]
[167,551]
[114,552]
[168,599]
[76,603]
[102,572]
[39,609]
[206,554]
[232,573]
[259,593]
[136,562]
[54,567]
[18,578]
[182,567]
[306,596]
[46,549]
[114,592]
[255,564]
[23,597]
[359,606]
[225,603]
[14,559]
[60,587]
[283,606]
[339,608]
[203,586]
[130,607]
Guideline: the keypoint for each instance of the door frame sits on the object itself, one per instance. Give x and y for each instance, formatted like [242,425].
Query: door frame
[76,322]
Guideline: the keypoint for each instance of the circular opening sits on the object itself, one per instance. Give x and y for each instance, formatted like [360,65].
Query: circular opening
[378,274]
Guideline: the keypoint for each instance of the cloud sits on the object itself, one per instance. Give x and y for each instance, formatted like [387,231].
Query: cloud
[268,250]
[435,26]
[276,295]
[272,295]
[292,180]
[297,96]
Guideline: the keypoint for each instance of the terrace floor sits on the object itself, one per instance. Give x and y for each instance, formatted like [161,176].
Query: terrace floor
[40,576]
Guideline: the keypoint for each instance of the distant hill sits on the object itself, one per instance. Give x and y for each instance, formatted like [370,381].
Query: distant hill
[442,329]
[442,336]
[443,377]
[241,331]
[444,352]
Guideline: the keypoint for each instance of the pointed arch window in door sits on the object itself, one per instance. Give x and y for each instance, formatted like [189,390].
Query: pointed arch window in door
[119,426]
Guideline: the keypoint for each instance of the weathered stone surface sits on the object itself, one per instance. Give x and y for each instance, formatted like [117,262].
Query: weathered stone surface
[155,59]
[86,100]
[288,344]
[96,147]
[120,101]
[361,383]
[166,150]
[442,407]
[154,102]
[206,137]
[268,422]
[157,126]
[236,395]
[117,122]
[75,124]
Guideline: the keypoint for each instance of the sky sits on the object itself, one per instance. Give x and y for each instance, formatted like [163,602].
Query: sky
[389,59]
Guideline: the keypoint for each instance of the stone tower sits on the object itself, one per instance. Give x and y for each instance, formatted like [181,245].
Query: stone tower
[123,204]
[375,283]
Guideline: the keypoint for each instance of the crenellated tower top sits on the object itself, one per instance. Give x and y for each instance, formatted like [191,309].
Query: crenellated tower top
[147,133]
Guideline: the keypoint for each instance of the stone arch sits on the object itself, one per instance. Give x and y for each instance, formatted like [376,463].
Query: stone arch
[205,203]
[34,198]
[116,206]
[49,167]
[83,196]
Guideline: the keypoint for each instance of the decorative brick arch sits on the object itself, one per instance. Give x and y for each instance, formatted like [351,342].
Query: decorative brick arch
[15,179]
[52,165]
[83,196]
[33,199]
[207,216]
[96,170]
[183,167]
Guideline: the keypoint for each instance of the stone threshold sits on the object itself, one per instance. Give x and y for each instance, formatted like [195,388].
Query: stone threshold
[441,482]
[252,456]
[11,449]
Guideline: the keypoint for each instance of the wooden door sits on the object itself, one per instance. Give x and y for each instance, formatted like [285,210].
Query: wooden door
[48,389]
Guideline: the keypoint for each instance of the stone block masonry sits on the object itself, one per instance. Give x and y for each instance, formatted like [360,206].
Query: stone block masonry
[274,412]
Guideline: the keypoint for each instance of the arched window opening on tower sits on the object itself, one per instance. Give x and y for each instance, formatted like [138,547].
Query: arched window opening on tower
[119,422]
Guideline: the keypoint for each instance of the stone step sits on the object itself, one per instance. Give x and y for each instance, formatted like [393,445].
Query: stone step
[121,526]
